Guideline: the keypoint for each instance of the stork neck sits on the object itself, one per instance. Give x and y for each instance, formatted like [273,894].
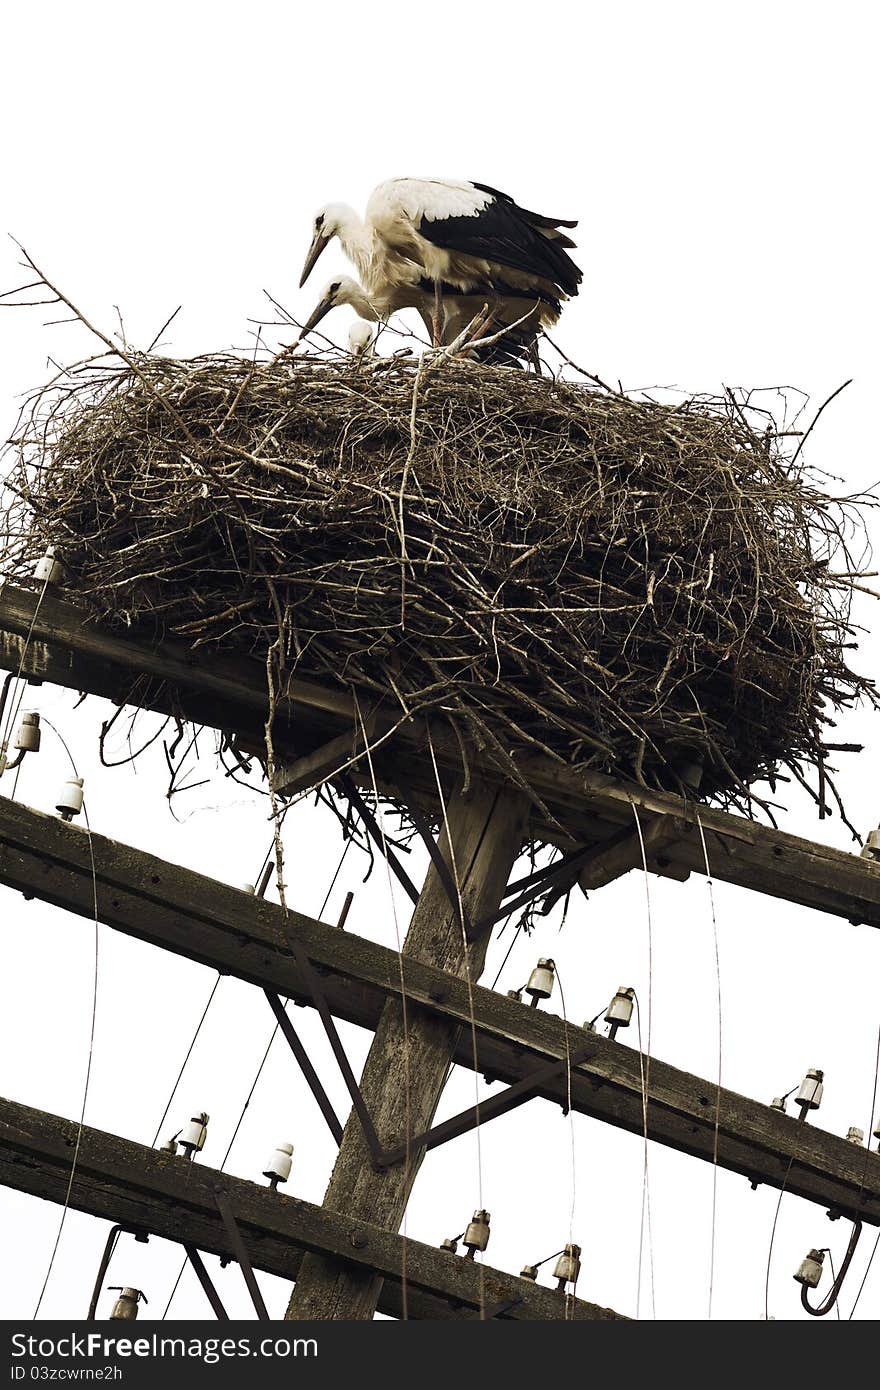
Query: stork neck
[363,306]
[356,240]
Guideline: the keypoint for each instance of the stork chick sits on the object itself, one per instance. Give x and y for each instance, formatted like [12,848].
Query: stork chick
[361,337]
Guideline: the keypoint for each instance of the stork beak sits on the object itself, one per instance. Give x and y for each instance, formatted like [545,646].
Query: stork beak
[316,316]
[319,241]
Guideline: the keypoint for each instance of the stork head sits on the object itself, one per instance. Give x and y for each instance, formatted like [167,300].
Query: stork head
[341,290]
[361,336]
[330,220]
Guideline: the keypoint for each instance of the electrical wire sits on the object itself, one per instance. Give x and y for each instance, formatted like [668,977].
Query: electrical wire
[470,989]
[772,1239]
[263,1060]
[407,1083]
[513,941]
[94,1009]
[710,887]
[646,1184]
[189,1050]
[645,1079]
[570,1115]
[865,1170]
[864,1277]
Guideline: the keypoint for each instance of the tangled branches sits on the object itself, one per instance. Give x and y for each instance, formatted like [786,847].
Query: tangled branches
[622,584]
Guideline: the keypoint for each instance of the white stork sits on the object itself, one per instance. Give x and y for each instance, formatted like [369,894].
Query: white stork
[373,308]
[361,337]
[456,245]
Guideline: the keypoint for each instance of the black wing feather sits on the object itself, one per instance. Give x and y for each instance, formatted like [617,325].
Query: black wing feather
[504,233]
[537,219]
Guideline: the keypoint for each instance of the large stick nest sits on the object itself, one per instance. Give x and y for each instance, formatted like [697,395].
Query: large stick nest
[626,585]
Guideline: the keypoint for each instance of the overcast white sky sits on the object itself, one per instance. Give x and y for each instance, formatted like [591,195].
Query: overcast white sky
[719,159]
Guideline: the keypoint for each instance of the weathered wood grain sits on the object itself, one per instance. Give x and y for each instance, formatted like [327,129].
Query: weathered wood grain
[204,920]
[165,1195]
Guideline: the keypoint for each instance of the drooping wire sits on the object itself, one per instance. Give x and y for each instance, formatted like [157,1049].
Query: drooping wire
[645,1079]
[864,1277]
[645,1220]
[94,1013]
[710,887]
[772,1239]
[865,1170]
[513,941]
[407,1090]
[570,1115]
[470,986]
[833,1282]
[201,1021]
[187,1056]
[263,1060]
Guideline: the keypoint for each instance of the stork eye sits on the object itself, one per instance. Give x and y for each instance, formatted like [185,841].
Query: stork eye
[319,221]
[335,288]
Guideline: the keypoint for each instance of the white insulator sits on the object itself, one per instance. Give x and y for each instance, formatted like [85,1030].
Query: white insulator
[476,1237]
[248,888]
[568,1266]
[126,1306]
[871,848]
[855,1135]
[778,1103]
[450,1245]
[589,1026]
[27,735]
[69,802]
[809,1096]
[540,985]
[193,1135]
[49,568]
[529,1272]
[515,994]
[169,1147]
[620,1010]
[810,1269]
[280,1162]
[360,338]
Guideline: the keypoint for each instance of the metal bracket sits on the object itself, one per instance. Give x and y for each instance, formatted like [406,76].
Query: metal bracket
[206,1282]
[508,1099]
[232,1230]
[444,872]
[113,1235]
[302,1057]
[380,841]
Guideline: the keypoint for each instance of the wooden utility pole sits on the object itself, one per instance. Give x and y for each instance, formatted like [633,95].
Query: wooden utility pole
[201,919]
[409,1059]
[346,1256]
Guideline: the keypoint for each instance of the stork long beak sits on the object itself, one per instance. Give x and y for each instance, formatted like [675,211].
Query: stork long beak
[316,316]
[319,242]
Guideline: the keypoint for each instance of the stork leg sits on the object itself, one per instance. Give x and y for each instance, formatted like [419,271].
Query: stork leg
[438,316]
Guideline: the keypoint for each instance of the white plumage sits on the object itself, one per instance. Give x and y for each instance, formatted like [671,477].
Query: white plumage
[446,247]
[373,308]
[361,336]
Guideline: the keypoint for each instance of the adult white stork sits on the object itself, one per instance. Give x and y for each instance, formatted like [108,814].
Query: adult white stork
[453,241]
